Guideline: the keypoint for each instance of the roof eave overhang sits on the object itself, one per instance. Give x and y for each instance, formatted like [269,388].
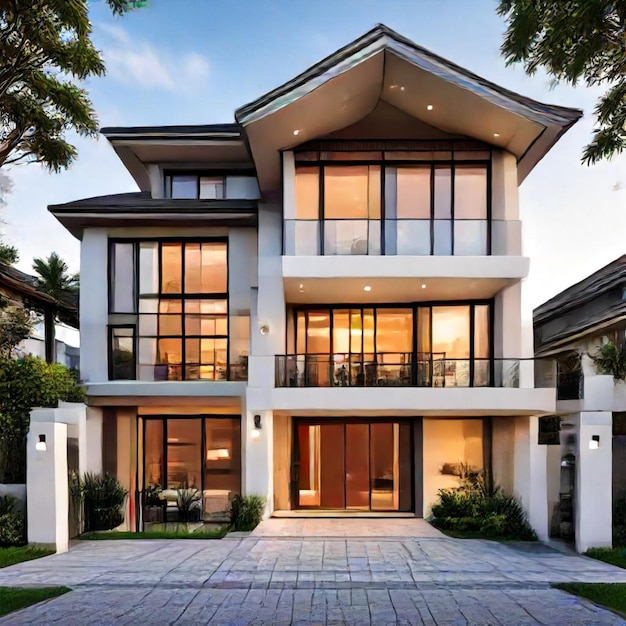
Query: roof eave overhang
[550,121]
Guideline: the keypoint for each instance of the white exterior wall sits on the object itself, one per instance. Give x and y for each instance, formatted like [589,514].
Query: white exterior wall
[94,305]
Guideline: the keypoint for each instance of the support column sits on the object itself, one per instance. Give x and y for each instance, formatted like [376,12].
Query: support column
[47,496]
[93,441]
[594,471]
[529,473]
[258,451]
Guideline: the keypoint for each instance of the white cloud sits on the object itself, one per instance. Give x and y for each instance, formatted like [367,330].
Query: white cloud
[138,62]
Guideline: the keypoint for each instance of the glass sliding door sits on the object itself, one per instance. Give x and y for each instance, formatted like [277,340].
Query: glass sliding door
[358,465]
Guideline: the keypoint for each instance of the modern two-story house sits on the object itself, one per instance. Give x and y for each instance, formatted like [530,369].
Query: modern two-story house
[320,303]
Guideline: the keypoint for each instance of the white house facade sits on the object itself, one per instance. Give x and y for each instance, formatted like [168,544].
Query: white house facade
[320,303]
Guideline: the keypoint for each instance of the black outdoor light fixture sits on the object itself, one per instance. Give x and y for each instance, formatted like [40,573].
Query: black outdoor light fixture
[594,444]
[40,446]
[256,431]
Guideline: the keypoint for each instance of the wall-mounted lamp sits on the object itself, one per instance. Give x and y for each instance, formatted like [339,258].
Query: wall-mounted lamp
[40,446]
[256,431]
[264,328]
[594,442]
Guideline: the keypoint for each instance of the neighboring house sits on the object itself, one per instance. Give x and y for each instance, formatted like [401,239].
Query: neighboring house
[591,404]
[320,303]
[18,285]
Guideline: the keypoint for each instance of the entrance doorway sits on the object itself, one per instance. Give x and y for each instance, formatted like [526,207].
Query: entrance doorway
[353,464]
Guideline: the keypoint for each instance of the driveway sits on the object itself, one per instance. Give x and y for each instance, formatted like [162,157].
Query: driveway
[351,571]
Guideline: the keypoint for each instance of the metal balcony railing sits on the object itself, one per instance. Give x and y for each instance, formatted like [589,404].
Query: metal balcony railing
[400,370]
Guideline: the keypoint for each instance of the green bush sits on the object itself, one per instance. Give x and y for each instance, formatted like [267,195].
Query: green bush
[12,526]
[246,512]
[104,500]
[25,383]
[474,506]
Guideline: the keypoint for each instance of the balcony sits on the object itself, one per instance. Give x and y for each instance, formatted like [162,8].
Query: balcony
[402,237]
[399,370]
[329,385]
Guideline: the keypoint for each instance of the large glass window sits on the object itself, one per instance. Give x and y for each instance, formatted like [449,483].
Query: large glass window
[182,302]
[197,452]
[376,347]
[194,186]
[430,208]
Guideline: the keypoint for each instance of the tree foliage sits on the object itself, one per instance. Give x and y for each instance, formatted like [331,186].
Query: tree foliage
[16,323]
[53,277]
[575,41]
[45,45]
[9,255]
[26,383]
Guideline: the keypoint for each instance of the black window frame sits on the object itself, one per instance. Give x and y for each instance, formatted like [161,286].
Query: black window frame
[383,163]
[414,307]
[136,241]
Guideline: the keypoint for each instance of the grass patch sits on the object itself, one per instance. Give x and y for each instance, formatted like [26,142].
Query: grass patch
[610,595]
[15,598]
[614,556]
[108,535]
[11,556]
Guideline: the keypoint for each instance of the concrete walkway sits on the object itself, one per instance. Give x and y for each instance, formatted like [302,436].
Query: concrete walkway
[355,572]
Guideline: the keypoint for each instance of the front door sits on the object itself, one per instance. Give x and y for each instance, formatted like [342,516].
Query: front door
[355,464]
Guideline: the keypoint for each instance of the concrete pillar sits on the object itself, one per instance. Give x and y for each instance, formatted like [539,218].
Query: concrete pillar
[258,453]
[93,441]
[46,482]
[594,470]
[529,473]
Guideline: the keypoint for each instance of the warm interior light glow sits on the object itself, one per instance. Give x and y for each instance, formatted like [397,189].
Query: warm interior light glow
[424,286]
[367,288]
[296,132]
[496,134]
[429,107]
[218,454]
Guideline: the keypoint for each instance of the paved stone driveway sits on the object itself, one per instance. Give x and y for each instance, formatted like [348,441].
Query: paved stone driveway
[313,572]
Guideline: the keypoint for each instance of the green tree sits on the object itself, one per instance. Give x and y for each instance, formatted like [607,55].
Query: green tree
[575,41]
[53,277]
[16,323]
[45,45]
[26,383]
[8,254]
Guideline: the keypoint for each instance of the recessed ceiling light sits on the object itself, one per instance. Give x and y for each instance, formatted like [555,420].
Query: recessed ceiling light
[367,288]
[429,107]
[402,88]
[423,285]
[296,132]
[496,134]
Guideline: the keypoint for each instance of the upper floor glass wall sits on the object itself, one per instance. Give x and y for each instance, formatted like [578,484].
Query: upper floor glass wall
[393,204]
[169,311]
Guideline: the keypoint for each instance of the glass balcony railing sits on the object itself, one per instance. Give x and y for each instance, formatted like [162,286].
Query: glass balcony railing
[399,370]
[402,237]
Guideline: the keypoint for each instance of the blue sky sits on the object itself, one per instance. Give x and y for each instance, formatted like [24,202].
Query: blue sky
[196,61]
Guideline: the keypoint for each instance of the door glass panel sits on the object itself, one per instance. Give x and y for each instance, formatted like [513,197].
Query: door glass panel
[222,464]
[481,345]
[309,465]
[384,467]
[332,475]
[153,453]
[183,453]
[451,345]
[357,467]
[318,332]
[413,192]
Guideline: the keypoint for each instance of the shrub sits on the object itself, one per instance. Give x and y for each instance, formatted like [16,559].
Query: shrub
[12,526]
[25,383]
[476,506]
[187,499]
[104,500]
[246,512]
[619,520]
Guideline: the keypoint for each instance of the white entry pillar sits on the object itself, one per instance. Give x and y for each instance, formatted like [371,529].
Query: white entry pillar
[47,497]
[529,474]
[258,452]
[593,495]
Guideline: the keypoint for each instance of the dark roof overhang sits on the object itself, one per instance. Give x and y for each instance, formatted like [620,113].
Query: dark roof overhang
[139,209]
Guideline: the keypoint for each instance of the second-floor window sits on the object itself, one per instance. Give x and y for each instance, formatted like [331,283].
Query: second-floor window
[403,208]
[194,186]
[175,294]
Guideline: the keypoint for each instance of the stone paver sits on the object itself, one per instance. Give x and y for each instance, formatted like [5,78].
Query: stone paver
[313,572]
